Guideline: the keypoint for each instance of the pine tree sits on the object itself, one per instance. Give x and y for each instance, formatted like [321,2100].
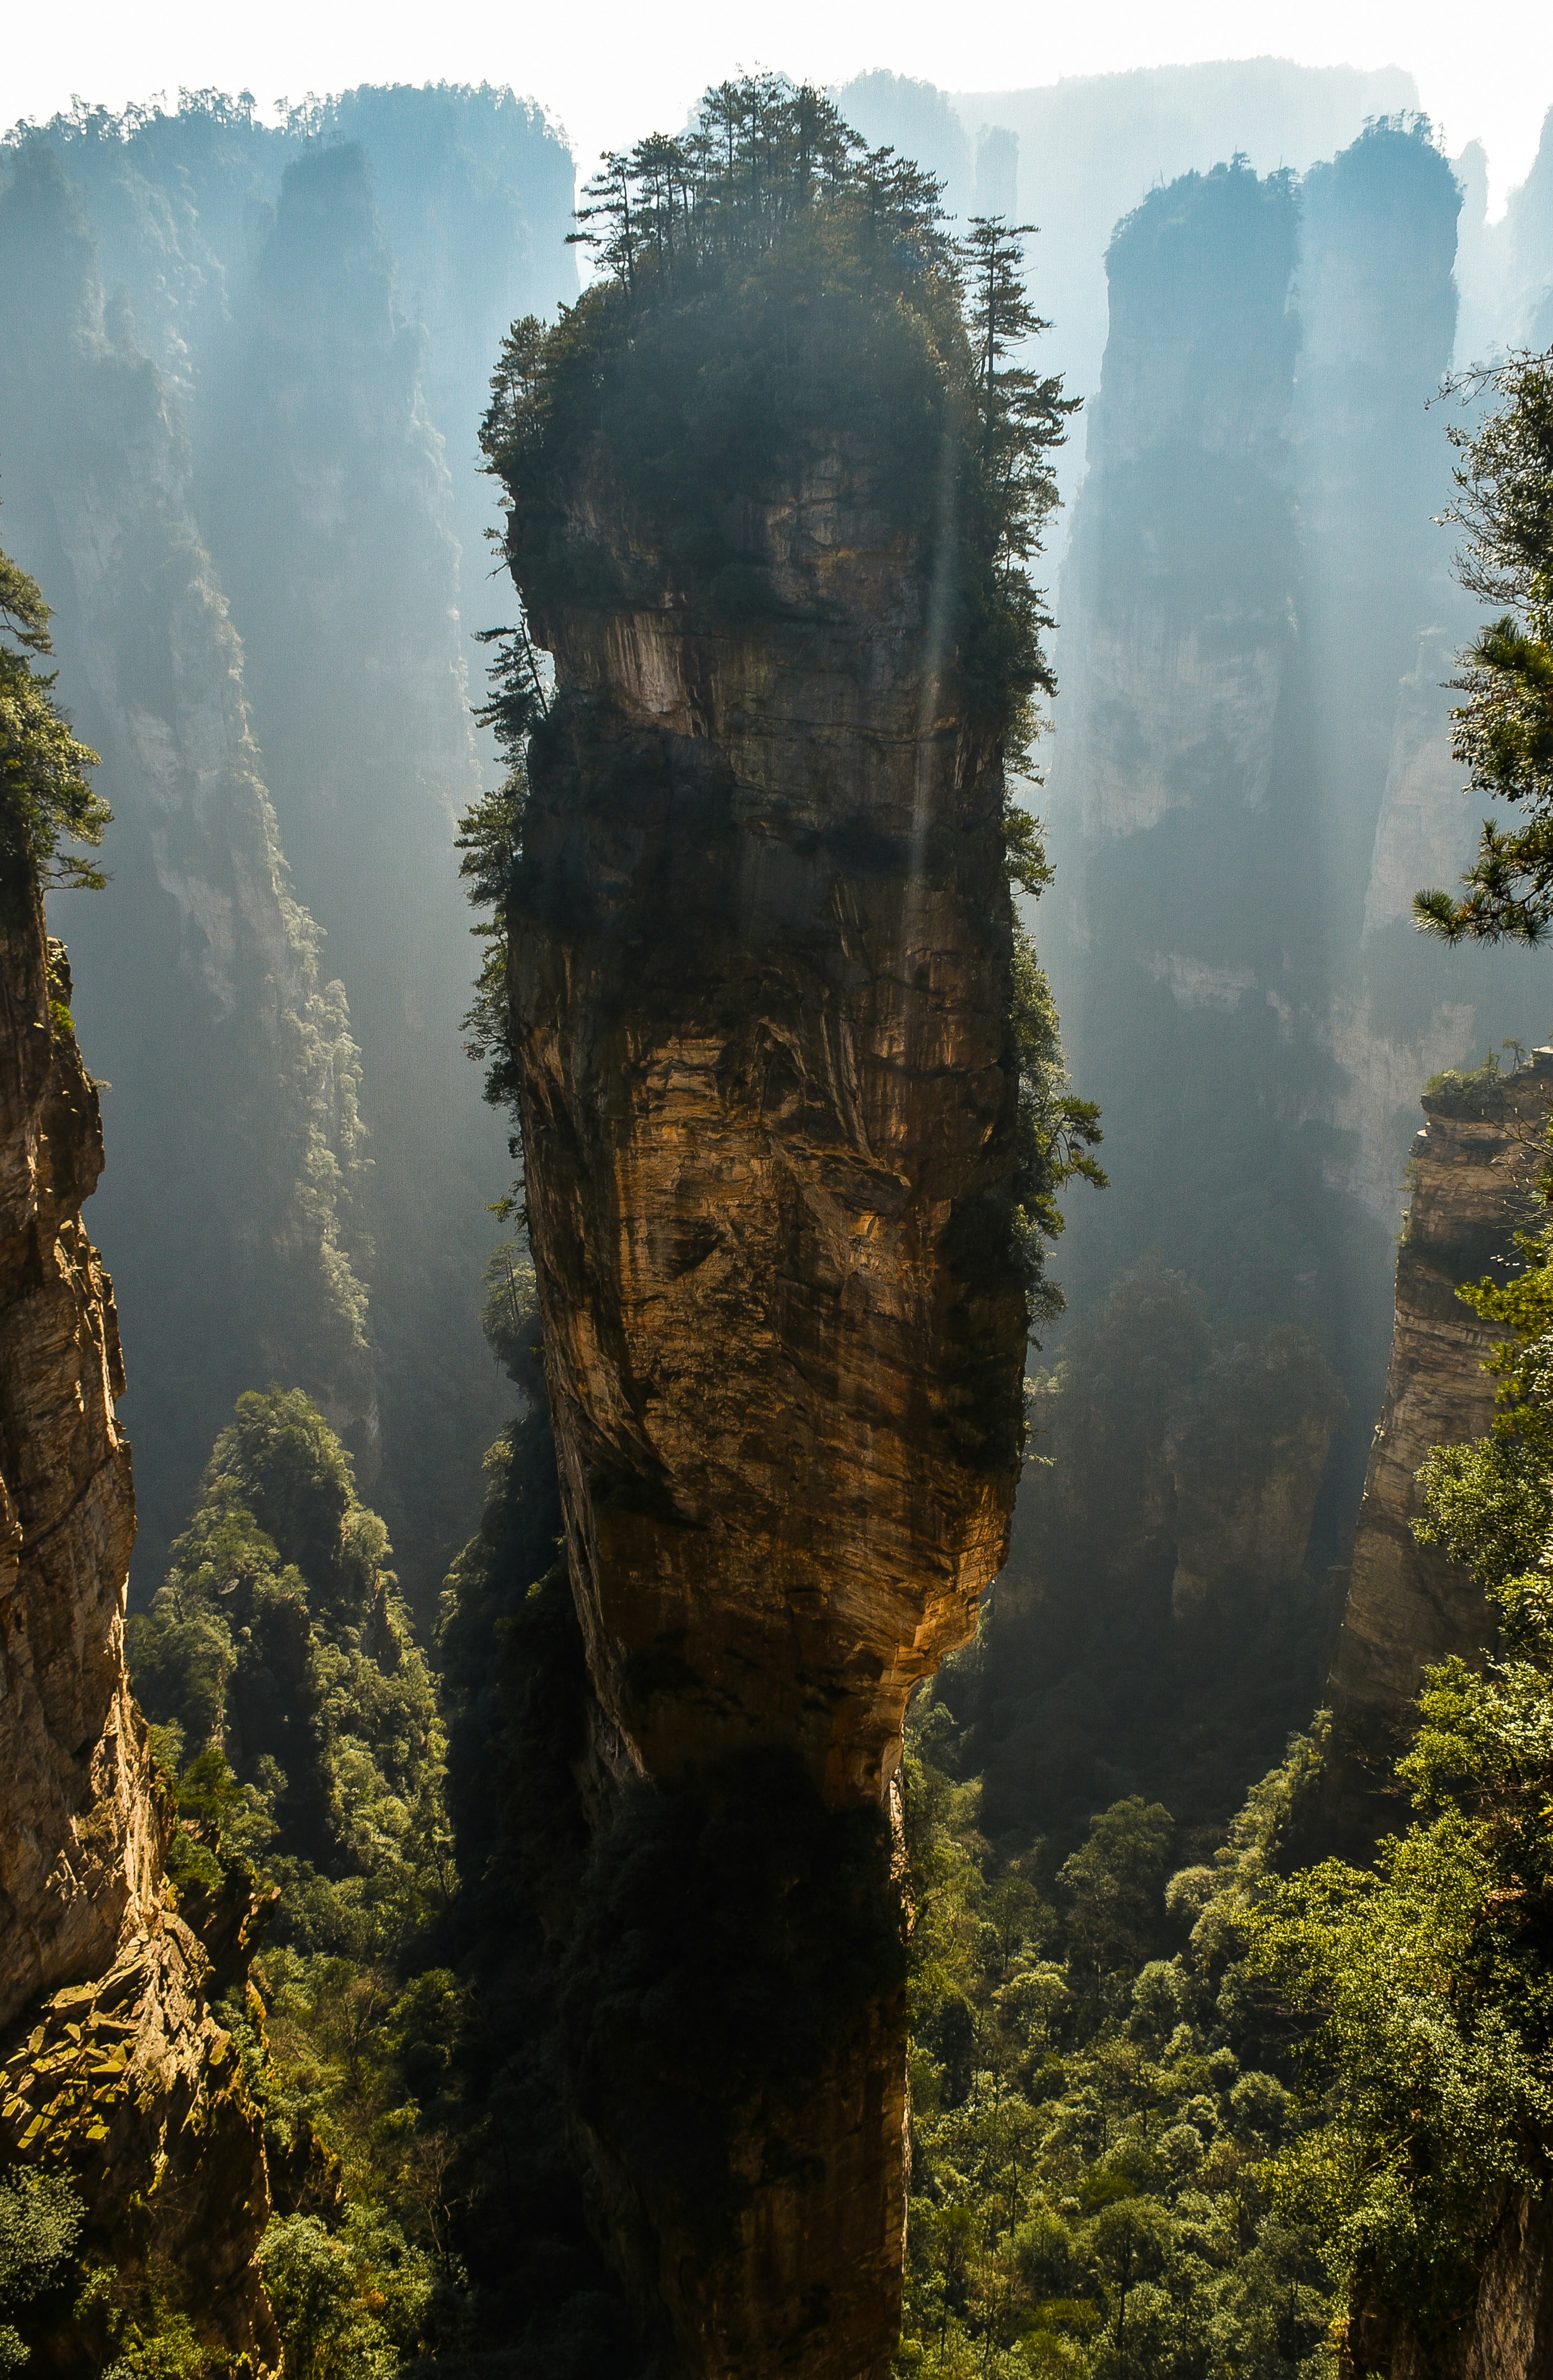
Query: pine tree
[44,797]
[1504,729]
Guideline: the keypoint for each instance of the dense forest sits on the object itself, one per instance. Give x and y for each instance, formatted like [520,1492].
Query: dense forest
[1187,2095]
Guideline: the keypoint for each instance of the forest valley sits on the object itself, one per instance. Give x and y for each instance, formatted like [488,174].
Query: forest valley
[1189,2098]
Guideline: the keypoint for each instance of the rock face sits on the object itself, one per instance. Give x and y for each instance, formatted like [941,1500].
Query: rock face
[110,2066]
[1246,1469]
[245,478]
[1474,1167]
[761,1002]
[236,1139]
[1251,773]
[760,937]
[1509,2335]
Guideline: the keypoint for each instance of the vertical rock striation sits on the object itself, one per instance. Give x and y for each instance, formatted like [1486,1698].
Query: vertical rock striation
[110,2066]
[223,451]
[1252,774]
[759,1016]
[236,1139]
[1475,1170]
[760,1003]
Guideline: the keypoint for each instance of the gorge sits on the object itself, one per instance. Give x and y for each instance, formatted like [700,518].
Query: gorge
[927,1831]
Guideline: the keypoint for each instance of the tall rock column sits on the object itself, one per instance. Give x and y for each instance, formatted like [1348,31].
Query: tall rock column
[1475,1184]
[760,1007]
[112,2069]
[761,943]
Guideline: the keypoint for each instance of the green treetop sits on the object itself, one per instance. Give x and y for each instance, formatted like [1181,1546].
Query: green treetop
[771,291]
[1504,729]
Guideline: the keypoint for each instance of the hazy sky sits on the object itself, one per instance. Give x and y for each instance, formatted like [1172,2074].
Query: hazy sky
[609,71]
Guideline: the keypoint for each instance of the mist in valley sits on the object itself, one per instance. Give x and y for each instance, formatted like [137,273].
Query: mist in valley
[249,452]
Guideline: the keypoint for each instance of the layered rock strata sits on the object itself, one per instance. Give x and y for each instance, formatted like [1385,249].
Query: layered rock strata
[761,939]
[112,2067]
[1474,1186]
[760,997]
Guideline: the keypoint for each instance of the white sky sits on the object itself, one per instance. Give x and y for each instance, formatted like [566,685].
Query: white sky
[611,69]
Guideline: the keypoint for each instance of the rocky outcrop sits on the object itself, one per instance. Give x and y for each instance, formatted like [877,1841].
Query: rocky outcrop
[1509,2335]
[110,2066]
[1474,1186]
[762,1022]
[760,954]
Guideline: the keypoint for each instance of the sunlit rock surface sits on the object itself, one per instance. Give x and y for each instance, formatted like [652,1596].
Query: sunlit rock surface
[1474,1186]
[111,2067]
[761,940]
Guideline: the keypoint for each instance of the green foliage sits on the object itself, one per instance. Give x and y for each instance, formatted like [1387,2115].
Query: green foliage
[1114,1883]
[44,797]
[425,2198]
[279,1649]
[510,1317]
[774,291]
[1430,2093]
[346,2301]
[1087,2128]
[1055,1130]
[1429,2069]
[41,2220]
[1468,1090]
[490,836]
[1504,729]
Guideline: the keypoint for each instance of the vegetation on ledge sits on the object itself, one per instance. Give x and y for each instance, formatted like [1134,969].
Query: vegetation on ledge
[44,797]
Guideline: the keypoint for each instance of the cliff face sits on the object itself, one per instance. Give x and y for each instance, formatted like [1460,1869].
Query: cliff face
[1252,774]
[760,1008]
[1474,1167]
[326,497]
[81,1847]
[759,999]
[111,2067]
[236,1132]
[245,478]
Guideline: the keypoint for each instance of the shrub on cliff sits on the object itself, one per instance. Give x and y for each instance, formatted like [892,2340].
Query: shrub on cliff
[774,293]
[44,797]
